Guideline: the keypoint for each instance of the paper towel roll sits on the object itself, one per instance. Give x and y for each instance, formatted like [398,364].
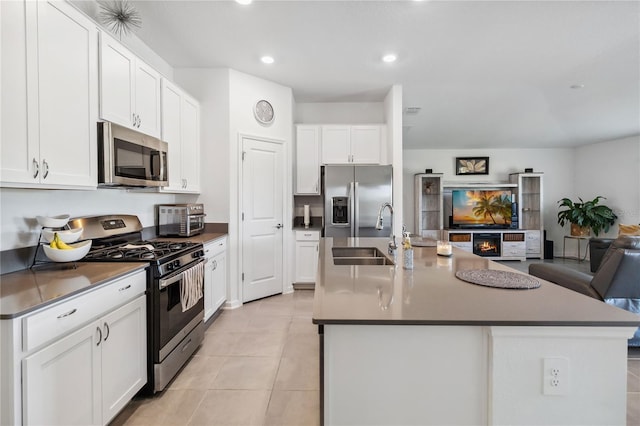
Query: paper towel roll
[306,215]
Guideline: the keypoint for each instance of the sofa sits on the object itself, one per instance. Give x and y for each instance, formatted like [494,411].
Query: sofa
[616,280]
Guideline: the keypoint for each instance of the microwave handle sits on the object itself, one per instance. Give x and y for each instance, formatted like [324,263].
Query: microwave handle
[162,165]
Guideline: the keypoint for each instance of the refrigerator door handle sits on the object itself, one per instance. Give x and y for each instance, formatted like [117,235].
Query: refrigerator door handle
[352,215]
[356,211]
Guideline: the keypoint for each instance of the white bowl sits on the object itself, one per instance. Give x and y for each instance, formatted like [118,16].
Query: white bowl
[66,235]
[53,222]
[79,251]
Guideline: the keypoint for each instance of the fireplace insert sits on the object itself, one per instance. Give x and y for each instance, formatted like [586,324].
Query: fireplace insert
[486,244]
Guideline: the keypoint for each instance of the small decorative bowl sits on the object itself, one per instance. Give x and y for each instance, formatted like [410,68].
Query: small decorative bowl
[66,235]
[53,222]
[79,251]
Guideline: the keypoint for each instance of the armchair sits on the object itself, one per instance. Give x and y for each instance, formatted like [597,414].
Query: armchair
[616,281]
[597,248]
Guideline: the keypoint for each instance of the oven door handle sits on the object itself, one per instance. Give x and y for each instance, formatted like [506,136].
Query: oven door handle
[168,281]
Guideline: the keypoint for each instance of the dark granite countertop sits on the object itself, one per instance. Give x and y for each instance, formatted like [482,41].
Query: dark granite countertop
[315,225]
[25,291]
[430,294]
[30,289]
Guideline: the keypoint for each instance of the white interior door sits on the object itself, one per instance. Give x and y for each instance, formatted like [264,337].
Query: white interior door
[262,210]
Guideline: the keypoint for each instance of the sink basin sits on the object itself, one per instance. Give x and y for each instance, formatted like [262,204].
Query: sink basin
[359,256]
[356,252]
[362,261]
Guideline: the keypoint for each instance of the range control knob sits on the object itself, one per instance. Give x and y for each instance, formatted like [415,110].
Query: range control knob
[170,267]
[176,263]
[197,254]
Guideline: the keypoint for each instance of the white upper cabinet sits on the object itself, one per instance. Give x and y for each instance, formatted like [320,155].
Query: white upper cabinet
[49,96]
[336,144]
[129,88]
[181,131]
[344,144]
[366,144]
[307,160]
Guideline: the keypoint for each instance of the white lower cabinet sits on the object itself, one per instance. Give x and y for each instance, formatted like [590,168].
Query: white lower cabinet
[87,377]
[79,361]
[215,276]
[61,383]
[306,266]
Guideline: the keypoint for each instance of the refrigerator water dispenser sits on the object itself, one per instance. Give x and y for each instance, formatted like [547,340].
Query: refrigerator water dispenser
[339,210]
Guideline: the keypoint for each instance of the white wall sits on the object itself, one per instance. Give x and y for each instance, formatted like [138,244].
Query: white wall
[227,98]
[393,118]
[211,88]
[556,164]
[611,169]
[245,90]
[19,208]
[340,113]
[131,41]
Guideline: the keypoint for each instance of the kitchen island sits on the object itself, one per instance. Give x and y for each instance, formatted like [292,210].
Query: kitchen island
[424,347]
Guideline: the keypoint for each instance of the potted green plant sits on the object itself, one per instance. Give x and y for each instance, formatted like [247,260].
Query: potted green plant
[586,215]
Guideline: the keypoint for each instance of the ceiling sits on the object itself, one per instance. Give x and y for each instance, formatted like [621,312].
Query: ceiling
[484,74]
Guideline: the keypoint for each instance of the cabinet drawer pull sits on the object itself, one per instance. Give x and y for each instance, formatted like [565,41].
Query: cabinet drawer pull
[125,288]
[107,330]
[99,338]
[307,235]
[66,314]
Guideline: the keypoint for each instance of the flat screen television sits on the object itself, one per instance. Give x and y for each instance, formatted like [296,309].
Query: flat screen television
[481,208]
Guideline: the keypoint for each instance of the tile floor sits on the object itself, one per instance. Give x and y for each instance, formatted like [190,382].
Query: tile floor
[258,365]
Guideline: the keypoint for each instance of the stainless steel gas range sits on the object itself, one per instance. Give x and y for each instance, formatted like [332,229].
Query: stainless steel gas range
[175,326]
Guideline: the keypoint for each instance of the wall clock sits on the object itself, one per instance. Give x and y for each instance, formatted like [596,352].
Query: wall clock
[264,112]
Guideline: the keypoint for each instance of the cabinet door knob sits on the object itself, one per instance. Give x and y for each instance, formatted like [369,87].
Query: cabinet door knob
[107,331]
[36,168]
[100,334]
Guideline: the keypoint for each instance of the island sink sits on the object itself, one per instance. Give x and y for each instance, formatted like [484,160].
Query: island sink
[359,256]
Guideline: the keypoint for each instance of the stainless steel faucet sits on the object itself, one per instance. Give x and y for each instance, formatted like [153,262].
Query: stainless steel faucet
[392,243]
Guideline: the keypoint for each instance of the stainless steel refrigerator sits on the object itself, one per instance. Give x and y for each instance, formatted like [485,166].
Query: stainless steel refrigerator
[352,197]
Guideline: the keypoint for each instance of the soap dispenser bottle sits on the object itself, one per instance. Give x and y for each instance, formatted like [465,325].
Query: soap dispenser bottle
[407,251]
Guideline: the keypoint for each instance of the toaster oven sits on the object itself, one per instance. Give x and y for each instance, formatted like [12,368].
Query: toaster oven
[180,220]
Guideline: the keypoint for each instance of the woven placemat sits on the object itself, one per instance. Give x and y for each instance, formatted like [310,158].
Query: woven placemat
[498,279]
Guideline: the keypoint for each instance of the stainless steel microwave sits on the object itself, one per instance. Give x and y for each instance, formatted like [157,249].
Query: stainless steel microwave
[130,158]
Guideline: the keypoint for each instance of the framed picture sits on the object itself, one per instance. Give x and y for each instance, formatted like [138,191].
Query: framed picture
[472,165]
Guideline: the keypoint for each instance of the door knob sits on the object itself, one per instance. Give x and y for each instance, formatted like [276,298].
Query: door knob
[278,226]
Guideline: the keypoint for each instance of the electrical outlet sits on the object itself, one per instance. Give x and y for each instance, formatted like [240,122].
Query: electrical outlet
[555,376]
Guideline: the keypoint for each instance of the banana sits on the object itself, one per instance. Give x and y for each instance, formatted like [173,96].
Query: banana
[61,244]
[57,243]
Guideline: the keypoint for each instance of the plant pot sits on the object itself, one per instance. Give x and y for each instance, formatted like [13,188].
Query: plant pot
[580,231]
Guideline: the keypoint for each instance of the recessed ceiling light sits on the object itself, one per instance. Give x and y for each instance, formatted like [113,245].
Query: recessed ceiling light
[267,60]
[245,2]
[577,86]
[389,58]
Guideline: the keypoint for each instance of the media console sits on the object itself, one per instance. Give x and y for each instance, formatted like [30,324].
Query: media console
[434,213]
[496,244]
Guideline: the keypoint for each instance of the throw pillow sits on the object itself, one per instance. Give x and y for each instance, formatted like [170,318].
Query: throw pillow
[628,229]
